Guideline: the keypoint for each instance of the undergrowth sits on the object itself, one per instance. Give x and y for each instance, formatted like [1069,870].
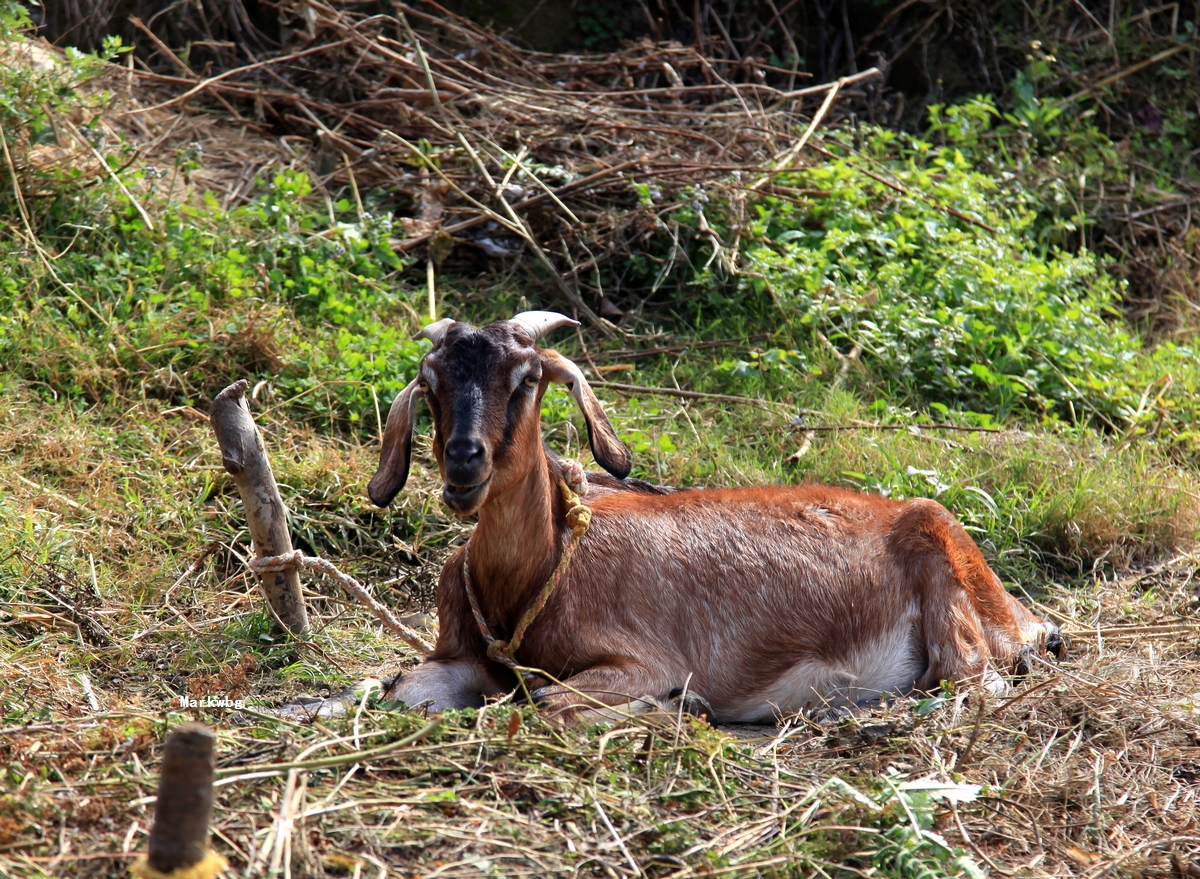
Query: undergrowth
[931,270]
[253,292]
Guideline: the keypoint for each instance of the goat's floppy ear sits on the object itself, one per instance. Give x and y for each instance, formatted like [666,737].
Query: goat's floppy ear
[609,452]
[397,447]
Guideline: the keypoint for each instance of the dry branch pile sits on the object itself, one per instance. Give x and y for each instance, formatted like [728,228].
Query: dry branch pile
[510,151]
[678,118]
[572,162]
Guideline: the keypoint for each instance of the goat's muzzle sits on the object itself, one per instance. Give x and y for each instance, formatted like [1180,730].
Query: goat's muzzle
[467,471]
[465,499]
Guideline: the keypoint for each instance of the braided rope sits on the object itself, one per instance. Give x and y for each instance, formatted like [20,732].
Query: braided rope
[296,558]
[572,484]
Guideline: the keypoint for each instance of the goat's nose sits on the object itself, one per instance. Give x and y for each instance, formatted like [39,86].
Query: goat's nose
[464,452]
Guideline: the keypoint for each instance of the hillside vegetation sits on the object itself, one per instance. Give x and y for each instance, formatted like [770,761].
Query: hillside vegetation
[984,294]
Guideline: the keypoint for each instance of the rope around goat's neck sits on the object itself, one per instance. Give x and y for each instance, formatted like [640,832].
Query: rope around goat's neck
[579,517]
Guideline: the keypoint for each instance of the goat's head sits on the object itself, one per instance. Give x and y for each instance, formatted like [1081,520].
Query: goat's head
[484,389]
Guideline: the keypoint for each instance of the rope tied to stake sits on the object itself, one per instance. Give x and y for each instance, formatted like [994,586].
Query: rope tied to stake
[297,559]
[579,516]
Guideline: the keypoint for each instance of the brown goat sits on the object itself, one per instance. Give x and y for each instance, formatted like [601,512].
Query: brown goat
[760,601]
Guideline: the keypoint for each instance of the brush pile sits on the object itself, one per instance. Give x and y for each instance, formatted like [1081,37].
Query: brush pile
[575,160]
[500,151]
[572,162]
[490,155]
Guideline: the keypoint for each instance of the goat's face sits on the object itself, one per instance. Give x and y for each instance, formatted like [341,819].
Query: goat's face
[484,389]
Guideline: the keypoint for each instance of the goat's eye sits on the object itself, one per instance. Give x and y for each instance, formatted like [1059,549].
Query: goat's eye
[531,381]
[423,386]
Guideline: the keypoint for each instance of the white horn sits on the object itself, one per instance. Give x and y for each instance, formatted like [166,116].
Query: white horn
[435,331]
[538,323]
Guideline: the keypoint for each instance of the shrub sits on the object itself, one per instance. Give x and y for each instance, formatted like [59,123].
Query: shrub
[947,311]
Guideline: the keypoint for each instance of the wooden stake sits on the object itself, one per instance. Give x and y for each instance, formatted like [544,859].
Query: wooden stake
[245,459]
[179,836]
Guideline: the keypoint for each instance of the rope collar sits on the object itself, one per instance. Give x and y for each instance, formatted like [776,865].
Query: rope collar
[579,517]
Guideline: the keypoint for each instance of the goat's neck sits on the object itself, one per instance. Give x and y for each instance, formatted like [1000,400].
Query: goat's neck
[517,543]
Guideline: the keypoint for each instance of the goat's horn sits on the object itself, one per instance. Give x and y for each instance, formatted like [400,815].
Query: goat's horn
[435,331]
[538,323]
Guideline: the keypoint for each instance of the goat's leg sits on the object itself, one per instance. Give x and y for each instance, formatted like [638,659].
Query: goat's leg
[1039,636]
[438,684]
[966,616]
[306,709]
[627,688]
[955,647]
[456,675]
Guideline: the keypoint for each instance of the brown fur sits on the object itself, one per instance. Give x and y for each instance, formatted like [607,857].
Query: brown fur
[760,600]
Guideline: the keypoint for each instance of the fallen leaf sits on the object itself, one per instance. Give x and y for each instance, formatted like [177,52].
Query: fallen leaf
[1082,858]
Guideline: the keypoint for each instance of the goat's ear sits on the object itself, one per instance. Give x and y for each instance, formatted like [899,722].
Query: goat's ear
[609,452]
[397,447]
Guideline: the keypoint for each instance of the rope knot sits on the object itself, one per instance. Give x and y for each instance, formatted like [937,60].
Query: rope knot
[574,477]
[497,651]
[579,518]
[275,563]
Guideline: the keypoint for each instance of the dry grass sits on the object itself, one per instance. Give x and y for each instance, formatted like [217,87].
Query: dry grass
[1090,767]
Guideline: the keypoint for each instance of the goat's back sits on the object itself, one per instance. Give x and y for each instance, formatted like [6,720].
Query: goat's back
[747,589]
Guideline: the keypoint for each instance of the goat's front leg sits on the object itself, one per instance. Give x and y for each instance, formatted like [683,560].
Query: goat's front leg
[458,674]
[628,689]
[438,684]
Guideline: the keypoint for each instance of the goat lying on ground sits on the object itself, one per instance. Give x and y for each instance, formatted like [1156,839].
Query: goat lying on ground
[760,601]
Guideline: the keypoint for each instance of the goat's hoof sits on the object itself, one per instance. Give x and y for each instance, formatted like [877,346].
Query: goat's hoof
[874,733]
[1051,643]
[693,704]
[305,709]
[308,709]
[1056,643]
[541,696]
[826,715]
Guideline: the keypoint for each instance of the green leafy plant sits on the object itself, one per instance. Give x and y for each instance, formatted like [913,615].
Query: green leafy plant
[953,311]
[911,849]
[36,84]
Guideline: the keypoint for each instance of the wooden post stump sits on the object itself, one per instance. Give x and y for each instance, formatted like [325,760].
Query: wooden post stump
[245,459]
[179,837]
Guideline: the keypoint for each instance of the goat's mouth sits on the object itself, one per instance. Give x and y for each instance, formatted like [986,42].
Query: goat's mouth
[465,499]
